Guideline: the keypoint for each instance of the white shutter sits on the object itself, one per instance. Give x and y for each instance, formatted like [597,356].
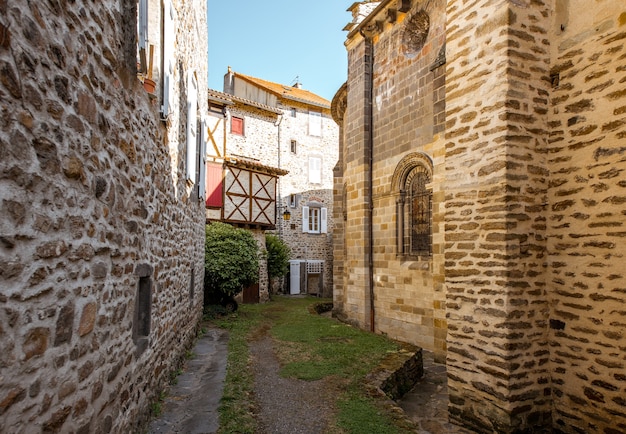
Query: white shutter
[315,124]
[202,177]
[315,170]
[192,125]
[169,61]
[142,22]
[323,221]
[305,219]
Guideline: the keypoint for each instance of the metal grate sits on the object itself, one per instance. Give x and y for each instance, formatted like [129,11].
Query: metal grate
[314,267]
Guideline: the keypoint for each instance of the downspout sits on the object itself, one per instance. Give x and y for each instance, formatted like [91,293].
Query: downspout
[369,116]
[279,207]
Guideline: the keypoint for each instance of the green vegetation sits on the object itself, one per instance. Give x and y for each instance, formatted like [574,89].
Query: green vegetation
[231,259]
[236,406]
[156,406]
[309,347]
[277,256]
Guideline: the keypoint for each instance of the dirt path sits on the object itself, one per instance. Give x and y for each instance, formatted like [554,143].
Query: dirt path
[287,406]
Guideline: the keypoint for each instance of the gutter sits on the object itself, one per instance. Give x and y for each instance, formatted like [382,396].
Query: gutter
[280,197]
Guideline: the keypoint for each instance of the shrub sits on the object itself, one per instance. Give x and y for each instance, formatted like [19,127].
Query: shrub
[277,256]
[231,258]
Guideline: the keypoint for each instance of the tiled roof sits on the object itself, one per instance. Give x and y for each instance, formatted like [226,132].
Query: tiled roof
[226,98]
[253,164]
[287,92]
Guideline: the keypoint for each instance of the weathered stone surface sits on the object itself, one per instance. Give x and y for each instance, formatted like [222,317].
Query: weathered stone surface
[87,319]
[36,342]
[56,421]
[64,325]
[51,249]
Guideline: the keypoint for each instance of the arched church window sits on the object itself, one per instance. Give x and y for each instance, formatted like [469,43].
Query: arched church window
[420,211]
[412,179]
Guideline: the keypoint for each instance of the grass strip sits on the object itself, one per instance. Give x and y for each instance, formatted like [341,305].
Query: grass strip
[309,347]
[236,408]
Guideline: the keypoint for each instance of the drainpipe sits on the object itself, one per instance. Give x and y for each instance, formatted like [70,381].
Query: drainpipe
[280,196]
[369,116]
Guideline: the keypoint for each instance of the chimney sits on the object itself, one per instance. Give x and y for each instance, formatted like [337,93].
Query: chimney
[229,82]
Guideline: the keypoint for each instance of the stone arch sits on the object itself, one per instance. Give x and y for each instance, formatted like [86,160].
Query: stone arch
[406,165]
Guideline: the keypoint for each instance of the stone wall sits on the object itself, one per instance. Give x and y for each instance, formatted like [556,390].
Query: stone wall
[260,139]
[296,182]
[352,299]
[102,252]
[526,178]
[585,282]
[408,291]
[496,103]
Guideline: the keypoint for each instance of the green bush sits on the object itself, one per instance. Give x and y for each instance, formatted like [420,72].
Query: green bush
[277,256]
[231,258]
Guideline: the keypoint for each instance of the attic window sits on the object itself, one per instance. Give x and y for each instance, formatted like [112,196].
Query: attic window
[293,112]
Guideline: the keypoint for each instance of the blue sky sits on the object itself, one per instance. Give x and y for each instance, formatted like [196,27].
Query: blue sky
[279,40]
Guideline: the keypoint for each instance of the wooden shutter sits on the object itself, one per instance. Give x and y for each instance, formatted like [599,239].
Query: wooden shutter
[169,61]
[236,125]
[305,219]
[315,170]
[214,183]
[315,124]
[142,21]
[192,125]
[323,220]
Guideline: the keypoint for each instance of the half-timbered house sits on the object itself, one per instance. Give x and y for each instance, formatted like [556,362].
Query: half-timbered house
[270,156]
[241,171]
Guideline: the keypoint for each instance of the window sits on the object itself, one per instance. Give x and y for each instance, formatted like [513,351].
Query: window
[420,204]
[143,307]
[294,145]
[192,286]
[315,170]
[314,219]
[293,112]
[315,124]
[414,206]
[293,200]
[236,125]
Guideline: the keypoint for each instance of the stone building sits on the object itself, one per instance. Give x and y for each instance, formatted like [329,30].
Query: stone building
[481,187]
[290,130]
[102,216]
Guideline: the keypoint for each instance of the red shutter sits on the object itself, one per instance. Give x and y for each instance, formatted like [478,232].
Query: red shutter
[236,125]
[214,185]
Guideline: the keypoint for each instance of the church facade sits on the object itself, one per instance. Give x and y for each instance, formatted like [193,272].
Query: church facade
[479,202]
